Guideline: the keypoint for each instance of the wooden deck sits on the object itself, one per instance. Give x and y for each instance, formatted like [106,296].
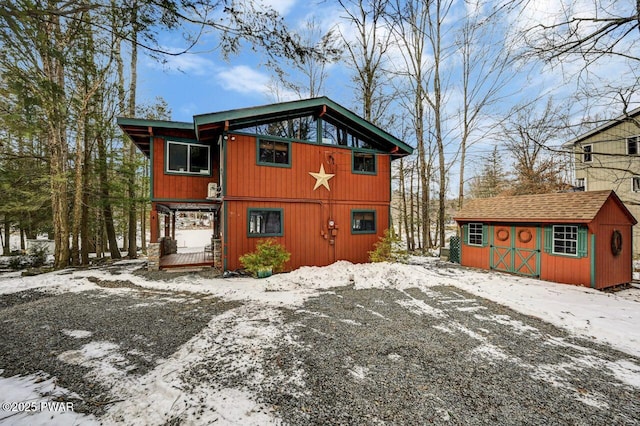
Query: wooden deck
[183,260]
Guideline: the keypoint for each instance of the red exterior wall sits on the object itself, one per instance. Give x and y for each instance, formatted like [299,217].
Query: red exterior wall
[306,212]
[611,269]
[171,186]
[599,269]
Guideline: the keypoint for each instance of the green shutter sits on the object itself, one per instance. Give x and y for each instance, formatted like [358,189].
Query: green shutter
[465,236]
[582,241]
[548,239]
[485,235]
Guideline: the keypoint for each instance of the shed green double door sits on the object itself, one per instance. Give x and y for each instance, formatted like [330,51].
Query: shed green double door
[515,249]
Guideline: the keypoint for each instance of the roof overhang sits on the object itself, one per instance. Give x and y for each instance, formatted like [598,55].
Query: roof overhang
[209,126]
[621,119]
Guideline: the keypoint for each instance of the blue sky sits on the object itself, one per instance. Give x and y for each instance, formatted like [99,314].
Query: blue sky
[202,81]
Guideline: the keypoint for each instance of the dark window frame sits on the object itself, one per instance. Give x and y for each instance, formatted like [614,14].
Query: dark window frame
[251,211]
[587,153]
[189,145]
[355,169]
[359,230]
[635,140]
[261,159]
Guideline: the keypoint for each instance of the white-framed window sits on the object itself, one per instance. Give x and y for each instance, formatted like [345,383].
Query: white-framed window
[187,157]
[581,184]
[475,234]
[635,183]
[587,151]
[565,240]
[633,147]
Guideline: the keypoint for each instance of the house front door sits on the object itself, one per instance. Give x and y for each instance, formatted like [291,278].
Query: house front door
[515,249]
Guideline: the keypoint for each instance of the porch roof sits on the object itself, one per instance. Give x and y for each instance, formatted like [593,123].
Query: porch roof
[565,207]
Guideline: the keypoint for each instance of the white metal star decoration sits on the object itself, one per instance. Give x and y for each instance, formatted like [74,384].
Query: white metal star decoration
[322,178]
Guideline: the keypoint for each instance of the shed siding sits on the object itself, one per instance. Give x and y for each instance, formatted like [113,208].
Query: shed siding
[566,269]
[610,269]
[167,186]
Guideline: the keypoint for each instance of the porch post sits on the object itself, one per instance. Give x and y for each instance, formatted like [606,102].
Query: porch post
[167,225]
[173,225]
[154,224]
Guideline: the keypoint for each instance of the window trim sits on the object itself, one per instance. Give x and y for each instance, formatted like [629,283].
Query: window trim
[637,141]
[586,153]
[553,240]
[274,140]
[632,185]
[481,234]
[369,231]
[188,144]
[264,209]
[354,153]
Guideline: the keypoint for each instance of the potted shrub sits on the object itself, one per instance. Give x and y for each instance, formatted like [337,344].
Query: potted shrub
[269,257]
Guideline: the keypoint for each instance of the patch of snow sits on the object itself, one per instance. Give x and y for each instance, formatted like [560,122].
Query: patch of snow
[77,334]
[43,396]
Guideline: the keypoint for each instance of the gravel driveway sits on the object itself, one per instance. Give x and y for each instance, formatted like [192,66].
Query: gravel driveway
[369,356]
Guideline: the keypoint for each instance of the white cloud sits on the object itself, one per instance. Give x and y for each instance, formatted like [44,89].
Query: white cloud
[283,7]
[245,80]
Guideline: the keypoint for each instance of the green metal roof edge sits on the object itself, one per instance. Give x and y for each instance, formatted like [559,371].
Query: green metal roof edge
[123,121]
[236,114]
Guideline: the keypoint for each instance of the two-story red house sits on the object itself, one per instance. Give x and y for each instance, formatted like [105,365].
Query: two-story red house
[309,173]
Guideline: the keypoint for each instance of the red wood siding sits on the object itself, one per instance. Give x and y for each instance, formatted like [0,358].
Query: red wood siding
[305,227]
[610,269]
[167,186]
[247,179]
[566,269]
[306,211]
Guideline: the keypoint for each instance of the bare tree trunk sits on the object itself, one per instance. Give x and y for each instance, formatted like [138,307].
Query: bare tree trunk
[131,179]
[105,199]
[6,248]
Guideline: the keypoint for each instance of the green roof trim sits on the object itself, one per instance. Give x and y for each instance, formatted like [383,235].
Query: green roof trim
[238,117]
[285,109]
[123,121]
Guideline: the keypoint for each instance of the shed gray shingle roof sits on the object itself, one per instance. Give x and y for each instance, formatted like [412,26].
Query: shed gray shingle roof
[576,207]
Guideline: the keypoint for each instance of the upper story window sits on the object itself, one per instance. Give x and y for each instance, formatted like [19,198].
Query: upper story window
[335,134]
[364,163]
[635,183]
[587,153]
[581,184]
[274,153]
[632,145]
[300,128]
[187,157]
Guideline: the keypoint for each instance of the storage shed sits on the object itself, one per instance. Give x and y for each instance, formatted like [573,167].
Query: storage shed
[581,238]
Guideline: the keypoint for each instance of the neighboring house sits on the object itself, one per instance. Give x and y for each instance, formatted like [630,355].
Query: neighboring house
[310,173]
[608,157]
[579,238]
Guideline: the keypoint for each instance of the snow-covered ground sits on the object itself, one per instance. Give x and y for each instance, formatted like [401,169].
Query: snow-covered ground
[609,318]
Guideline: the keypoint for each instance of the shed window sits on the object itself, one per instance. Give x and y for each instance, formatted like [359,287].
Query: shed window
[475,234]
[363,222]
[274,153]
[364,162]
[184,157]
[565,239]
[635,183]
[265,223]
[632,145]
[587,156]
